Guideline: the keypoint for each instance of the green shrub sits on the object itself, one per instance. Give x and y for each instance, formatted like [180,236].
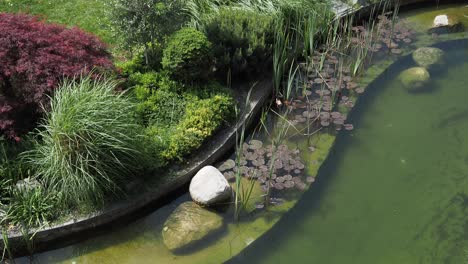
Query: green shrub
[188,55]
[140,22]
[88,143]
[202,118]
[243,40]
[159,99]
[162,108]
[142,61]
[32,206]
[146,83]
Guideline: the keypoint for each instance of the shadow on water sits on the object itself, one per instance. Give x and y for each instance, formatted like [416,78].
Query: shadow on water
[312,199]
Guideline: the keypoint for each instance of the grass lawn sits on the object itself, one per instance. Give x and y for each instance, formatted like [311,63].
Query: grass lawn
[89,15]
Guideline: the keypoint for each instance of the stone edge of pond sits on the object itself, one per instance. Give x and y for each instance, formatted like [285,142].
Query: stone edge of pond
[72,231]
[363,9]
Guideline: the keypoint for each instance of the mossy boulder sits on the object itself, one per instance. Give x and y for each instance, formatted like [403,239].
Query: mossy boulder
[414,79]
[444,24]
[188,224]
[428,56]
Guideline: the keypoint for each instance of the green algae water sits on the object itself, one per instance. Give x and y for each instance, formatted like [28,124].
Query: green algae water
[396,189]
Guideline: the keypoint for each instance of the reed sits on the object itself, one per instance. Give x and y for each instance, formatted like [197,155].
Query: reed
[243,192]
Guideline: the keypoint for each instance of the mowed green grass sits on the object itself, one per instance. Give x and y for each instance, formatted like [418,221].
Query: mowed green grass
[89,15]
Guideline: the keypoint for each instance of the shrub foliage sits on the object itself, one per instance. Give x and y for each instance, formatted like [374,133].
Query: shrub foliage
[89,142]
[34,57]
[188,55]
[243,40]
[145,23]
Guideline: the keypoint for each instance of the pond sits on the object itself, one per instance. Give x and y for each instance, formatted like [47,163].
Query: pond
[393,190]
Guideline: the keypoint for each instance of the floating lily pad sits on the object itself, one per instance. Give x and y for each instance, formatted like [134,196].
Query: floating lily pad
[255,144]
[227,165]
[310,179]
[288,184]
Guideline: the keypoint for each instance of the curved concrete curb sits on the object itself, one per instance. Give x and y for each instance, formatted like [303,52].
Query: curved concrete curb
[78,229]
[363,8]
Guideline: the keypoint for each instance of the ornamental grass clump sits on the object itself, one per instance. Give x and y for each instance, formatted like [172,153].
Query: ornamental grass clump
[88,143]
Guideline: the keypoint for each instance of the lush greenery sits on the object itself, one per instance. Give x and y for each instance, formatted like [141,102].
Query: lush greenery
[178,118]
[175,60]
[187,55]
[243,40]
[89,15]
[89,142]
[146,23]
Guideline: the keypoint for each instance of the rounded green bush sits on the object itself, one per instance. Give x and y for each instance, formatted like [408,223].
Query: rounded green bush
[188,56]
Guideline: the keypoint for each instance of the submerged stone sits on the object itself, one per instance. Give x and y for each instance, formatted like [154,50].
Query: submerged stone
[188,224]
[209,187]
[414,79]
[428,56]
[27,184]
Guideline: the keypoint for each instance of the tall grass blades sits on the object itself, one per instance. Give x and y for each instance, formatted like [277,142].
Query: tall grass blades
[88,142]
[243,192]
[6,254]
[31,206]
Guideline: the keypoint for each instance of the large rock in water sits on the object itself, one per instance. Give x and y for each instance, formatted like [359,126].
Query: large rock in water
[446,24]
[414,79]
[427,56]
[188,224]
[209,187]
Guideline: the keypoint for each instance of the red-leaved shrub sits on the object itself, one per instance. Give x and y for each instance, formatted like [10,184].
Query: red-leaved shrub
[34,57]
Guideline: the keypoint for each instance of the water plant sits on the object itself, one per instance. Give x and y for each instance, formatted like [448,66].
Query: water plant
[242,193]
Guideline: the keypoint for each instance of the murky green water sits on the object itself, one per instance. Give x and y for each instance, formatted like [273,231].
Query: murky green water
[393,191]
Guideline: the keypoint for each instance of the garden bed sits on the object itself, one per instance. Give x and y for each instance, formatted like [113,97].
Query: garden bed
[179,176]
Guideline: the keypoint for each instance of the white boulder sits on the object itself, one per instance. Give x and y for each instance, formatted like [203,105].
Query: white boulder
[209,187]
[446,24]
[441,21]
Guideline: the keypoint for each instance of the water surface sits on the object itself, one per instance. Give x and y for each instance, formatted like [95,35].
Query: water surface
[393,191]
